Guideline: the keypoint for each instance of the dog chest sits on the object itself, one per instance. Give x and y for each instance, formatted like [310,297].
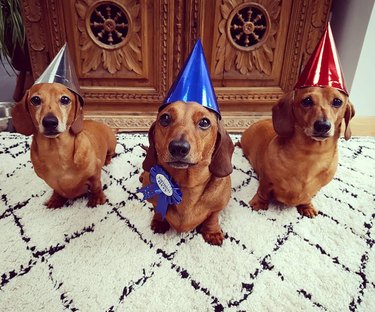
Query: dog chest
[66,178]
[299,185]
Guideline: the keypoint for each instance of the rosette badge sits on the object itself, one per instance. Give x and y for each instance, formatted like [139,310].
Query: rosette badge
[162,186]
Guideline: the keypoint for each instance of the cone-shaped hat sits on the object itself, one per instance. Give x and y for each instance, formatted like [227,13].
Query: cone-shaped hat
[61,70]
[323,68]
[193,83]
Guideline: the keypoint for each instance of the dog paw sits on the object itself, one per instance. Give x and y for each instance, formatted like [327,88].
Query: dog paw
[258,204]
[159,226]
[96,199]
[108,159]
[307,210]
[56,201]
[216,238]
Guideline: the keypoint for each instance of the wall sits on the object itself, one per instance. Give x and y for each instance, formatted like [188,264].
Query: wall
[7,82]
[353,27]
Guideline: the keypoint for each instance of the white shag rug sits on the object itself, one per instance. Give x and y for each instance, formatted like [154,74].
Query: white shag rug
[108,259]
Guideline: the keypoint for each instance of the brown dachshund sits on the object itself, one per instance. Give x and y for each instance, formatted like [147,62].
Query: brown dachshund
[190,143]
[297,155]
[67,152]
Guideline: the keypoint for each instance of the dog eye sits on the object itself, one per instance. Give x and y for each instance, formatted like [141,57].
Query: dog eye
[336,102]
[204,123]
[35,100]
[307,102]
[165,120]
[64,100]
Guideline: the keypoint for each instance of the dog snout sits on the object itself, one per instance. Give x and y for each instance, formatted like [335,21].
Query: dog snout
[322,126]
[179,148]
[50,122]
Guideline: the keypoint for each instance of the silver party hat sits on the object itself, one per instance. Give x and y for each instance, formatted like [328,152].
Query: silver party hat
[61,70]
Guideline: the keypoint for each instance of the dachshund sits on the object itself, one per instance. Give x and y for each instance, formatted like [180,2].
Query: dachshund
[191,144]
[67,152]
[295,154]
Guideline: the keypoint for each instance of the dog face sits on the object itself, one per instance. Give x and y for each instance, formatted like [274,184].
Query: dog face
[317,111]
[48,108]
[187,135]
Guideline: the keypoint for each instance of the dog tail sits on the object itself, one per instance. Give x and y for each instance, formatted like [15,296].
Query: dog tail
[238,143]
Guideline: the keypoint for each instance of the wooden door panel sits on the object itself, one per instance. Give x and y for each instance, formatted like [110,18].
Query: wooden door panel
[128,52]
[255,49]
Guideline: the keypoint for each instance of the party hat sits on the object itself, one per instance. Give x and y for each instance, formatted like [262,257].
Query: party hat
[323,68]
[61,70]
[193,83]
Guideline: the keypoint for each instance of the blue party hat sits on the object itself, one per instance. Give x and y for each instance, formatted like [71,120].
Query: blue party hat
[193,83]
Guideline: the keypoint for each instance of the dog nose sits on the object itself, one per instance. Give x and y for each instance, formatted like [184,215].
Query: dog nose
[322,126]
[179,148]
[50,122]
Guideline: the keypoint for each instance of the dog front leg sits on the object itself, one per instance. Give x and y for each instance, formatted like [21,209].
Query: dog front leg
[158,225]
[307,210]
[261,198]
[56,200]
[211,231]
[96,194]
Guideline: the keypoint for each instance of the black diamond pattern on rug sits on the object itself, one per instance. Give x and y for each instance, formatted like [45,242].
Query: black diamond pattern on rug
[108,259]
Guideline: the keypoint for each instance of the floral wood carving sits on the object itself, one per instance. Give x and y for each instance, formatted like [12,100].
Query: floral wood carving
[109,35]
[247,36]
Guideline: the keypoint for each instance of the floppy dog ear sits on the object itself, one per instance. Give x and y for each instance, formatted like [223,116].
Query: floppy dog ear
[151,157]
[282,115]
[21,118]
[349,114]
[77,125]
[221,163]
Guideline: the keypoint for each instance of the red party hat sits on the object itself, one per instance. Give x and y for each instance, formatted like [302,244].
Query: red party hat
[323,68]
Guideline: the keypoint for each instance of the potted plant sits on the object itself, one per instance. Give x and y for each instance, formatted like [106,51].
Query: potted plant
[12,35]
[13,51]
[13,46]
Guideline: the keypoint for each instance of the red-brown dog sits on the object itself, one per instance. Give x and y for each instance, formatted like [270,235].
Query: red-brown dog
[297,155]
[67,152]
[190,143]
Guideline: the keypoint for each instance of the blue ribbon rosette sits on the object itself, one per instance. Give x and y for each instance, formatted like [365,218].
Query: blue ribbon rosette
[164,187]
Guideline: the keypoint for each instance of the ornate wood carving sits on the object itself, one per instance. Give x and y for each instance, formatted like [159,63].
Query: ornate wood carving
[178,43]
[294,44]
[233,123]
[32,12]
[109,35]
[313,15]
[249,97]
[248,36]
[58,29]
[320,11]
[164,46]
[195,23]
[250,70]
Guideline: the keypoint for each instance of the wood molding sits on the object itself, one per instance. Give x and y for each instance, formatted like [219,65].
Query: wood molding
[234,123]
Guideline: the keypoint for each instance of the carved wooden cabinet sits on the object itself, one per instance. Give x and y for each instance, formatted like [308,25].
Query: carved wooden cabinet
[128,52]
